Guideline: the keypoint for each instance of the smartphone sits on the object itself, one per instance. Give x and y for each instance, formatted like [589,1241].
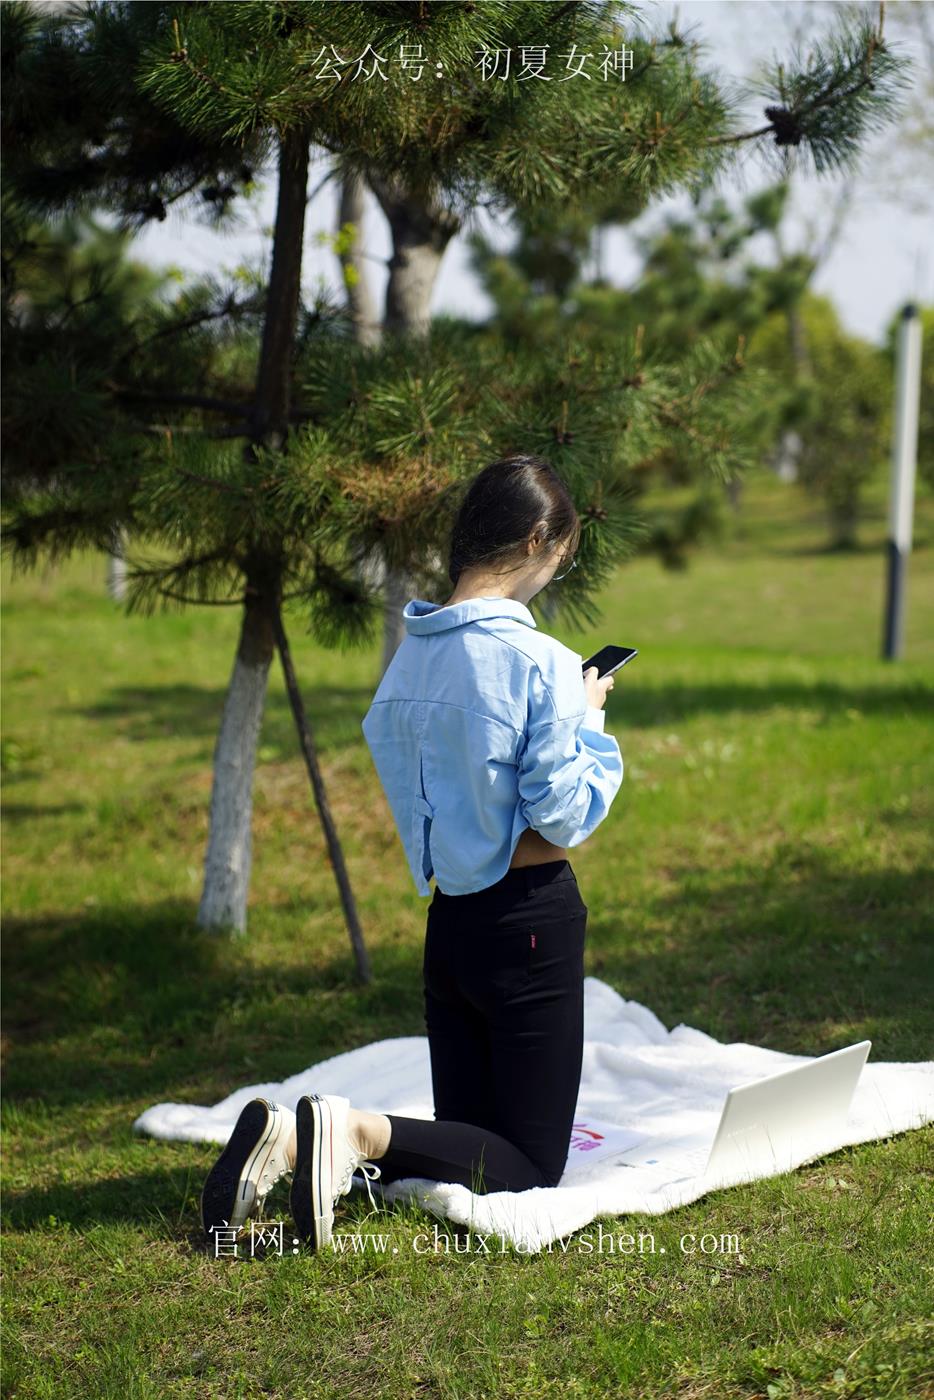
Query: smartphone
[609,659]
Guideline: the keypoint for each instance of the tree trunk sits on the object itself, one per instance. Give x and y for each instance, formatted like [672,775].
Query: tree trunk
[421,230]
[272,402]
[361,303]
[787,455]
[116,567]
[734,493]
[843,511]
[360,298]
[791,443]
[227,863]
[398,588]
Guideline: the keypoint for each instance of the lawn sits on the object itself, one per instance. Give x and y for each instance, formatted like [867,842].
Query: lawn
[765,875]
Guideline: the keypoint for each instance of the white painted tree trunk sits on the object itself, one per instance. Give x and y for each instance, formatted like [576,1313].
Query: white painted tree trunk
[116,577]
[787,455]
[116,567]
[397,590]
[229,851]
[790,445]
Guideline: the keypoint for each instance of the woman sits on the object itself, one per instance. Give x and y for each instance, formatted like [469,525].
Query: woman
[488,740]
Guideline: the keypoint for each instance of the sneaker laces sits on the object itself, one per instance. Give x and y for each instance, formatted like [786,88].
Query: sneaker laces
[272,1176]
[361,1166]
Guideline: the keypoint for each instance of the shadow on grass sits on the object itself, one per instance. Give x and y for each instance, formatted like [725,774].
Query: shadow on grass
[652,707]
[29,811]
[165,1203]
[142,711]
[859,548]
[195,711]
[122,1004]
[806,958]
[160,1200]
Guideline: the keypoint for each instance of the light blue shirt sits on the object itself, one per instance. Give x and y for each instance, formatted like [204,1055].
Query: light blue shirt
[479,728]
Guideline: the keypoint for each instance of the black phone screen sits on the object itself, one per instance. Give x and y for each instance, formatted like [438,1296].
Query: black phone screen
[609,659]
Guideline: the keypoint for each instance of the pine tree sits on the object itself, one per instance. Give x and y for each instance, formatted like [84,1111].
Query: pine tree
[186,94]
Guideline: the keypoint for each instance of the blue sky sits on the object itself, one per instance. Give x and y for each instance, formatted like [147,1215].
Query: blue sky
[878,261]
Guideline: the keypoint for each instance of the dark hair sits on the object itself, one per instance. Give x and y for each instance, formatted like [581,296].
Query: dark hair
[503,505]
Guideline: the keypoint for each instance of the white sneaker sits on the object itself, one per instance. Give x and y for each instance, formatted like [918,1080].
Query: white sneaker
[325,1162]
[249,1166]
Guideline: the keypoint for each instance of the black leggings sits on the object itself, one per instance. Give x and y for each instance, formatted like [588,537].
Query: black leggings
[504,1009]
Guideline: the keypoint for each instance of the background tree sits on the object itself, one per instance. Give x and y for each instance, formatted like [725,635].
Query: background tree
[844,423]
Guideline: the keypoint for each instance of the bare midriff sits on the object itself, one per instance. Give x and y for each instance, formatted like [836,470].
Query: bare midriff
[533,849]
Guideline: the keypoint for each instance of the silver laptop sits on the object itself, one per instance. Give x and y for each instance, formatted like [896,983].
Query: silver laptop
[770,1124]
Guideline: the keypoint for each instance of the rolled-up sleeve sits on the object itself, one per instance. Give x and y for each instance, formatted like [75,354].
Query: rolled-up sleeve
[569,769]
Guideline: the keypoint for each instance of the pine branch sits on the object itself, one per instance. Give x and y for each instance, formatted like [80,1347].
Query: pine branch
[146,583]
[855,76]
[214,483]
[205,401]
[236,602]
[230,309]
[55,530]
[733,138]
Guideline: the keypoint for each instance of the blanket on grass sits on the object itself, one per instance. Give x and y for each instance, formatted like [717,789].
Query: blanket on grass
[640,1083]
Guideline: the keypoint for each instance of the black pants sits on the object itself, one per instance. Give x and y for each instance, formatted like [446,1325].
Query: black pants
[504,1010]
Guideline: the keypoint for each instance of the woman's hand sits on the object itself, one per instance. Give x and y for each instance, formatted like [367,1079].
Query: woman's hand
[595,688]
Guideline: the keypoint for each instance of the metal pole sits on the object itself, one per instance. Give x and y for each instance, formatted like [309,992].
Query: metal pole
[904,458]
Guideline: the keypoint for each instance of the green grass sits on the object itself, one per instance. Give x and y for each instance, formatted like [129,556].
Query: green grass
[765,875]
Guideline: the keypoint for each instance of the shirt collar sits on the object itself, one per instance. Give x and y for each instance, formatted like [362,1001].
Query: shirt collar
[422,616]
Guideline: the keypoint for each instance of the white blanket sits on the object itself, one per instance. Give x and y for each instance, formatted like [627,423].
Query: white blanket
[639,1083]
